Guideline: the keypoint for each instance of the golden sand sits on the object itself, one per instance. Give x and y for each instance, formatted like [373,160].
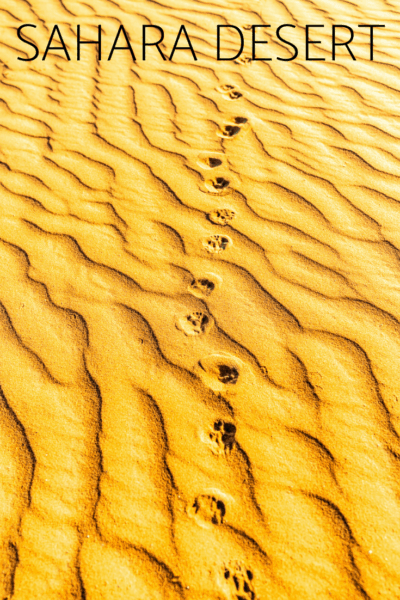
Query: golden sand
[200,304]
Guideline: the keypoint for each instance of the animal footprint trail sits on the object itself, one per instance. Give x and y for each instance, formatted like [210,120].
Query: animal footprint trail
[120,441]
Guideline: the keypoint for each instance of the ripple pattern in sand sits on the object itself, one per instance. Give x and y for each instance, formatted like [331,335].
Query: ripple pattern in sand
[199,312]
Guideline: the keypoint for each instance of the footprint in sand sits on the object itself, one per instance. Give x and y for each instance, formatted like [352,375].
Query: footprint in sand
[228,131]
[224,89]
[239,582]
[202,287]
[195,323]
[207,509]
[224,373]
[217,243]
[222,437]
[221,216]
[233,95]
[243,60]
[209,162]
[229,92]
[233,127]
[217,185]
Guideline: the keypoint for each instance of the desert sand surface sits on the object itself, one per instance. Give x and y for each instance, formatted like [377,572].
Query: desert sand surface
[200,305]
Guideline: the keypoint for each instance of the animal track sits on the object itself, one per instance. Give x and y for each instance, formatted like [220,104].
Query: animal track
[239,580]
[217,185]
[222,437]
[217,243]
[208,509]
[221,216]
[210,162]
[228,131]
[222,372]
[201,287]
[226,88]
[233,95]
[195,323]
[229,92]
[243,60]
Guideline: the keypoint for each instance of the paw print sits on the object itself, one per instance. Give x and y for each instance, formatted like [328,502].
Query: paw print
[239,582]
[222,437]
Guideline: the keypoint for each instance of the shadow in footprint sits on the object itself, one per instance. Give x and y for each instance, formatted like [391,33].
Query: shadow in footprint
[210,162]
[239,120]
[227,374]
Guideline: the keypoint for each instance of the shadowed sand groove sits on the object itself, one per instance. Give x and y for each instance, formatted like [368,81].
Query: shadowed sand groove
[199,310]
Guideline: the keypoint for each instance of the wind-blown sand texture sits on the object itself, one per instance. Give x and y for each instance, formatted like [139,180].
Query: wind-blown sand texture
[200,303]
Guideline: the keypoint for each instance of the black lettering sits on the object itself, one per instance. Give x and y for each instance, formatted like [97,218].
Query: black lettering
[371,39]
[62,47]
[335,43]
[219,27]
[308,42]
[27,42]
[188,47]
[296,52]
[145,27]
[254,42]
[80,42]
[127,47]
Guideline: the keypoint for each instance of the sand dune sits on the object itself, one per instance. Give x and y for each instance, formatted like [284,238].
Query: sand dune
[200,309]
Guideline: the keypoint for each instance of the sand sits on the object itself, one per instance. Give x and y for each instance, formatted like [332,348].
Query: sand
[199,309]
